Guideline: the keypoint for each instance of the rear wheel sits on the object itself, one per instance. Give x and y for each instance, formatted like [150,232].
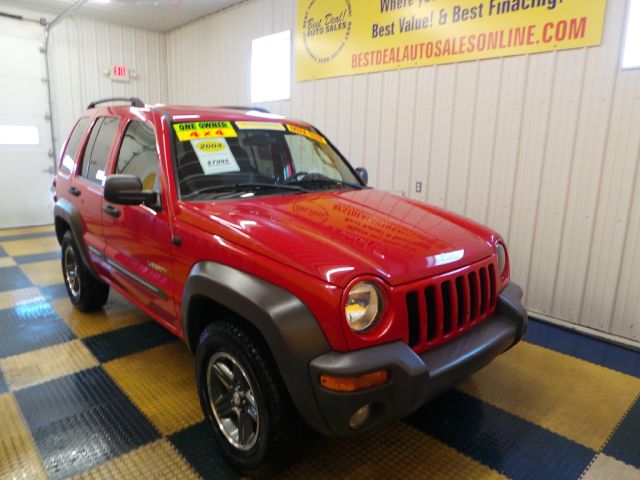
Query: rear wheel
[85,291]
[245,401]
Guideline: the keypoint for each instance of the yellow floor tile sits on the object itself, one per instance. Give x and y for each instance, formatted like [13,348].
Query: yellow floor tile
[18,455]
[158,460]
[117,313]
[31,246]
[607,468]
[7,262]
[44,273]
[161,382]
[13,298]
[394,451]
[26,369]
[574,398]
[26,230]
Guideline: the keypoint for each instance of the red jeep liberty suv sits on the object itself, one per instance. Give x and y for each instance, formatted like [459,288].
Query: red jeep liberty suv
[304,294]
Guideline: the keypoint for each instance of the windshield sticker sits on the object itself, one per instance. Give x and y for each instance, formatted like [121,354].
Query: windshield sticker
[307,133]
[196,130]
[260,126]
[215,156]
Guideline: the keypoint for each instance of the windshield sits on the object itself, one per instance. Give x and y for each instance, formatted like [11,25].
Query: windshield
[219,159]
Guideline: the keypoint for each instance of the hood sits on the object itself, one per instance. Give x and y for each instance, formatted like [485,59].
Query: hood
[338,236]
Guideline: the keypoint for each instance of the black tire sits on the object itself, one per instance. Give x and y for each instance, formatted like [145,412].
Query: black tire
[85,291]
[280,433]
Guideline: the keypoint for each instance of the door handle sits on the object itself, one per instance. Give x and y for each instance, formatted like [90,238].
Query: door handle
[74,191]
[111,211]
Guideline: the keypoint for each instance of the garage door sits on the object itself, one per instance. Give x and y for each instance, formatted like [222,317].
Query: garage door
[25,138]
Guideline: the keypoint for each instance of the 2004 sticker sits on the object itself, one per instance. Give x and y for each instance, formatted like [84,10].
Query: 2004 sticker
[307,133]
[196,130]
[210,146]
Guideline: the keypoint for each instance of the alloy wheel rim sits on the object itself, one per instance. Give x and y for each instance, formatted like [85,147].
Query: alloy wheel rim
[72,271]
[233,401]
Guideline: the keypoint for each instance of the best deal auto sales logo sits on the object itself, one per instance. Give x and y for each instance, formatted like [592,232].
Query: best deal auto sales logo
[326,30]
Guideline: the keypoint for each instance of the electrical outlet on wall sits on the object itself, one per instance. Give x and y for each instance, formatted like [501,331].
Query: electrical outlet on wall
[418,187]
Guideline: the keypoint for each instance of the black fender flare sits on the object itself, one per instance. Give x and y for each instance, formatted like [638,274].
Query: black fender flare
[289,328]
[68,212]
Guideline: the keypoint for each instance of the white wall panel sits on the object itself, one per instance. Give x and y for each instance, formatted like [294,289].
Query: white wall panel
[80,49]
[25,181]
[543,148]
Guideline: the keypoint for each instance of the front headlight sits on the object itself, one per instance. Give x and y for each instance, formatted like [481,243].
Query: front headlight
[363,306]
[502,259]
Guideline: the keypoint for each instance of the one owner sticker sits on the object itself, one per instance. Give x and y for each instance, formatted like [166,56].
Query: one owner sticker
[196,130]
[215,156]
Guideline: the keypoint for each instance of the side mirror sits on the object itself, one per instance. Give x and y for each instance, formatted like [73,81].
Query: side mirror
[127,190]
[363,174]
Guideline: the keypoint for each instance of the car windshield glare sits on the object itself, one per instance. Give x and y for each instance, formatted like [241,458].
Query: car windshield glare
[211,155]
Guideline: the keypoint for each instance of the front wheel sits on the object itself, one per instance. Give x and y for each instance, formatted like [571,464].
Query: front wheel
[85,291]
[244,400]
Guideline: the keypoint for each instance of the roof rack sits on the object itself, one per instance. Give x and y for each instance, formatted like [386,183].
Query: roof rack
[255,109]
[134,101]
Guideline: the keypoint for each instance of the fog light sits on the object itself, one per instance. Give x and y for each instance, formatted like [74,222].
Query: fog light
[358,418]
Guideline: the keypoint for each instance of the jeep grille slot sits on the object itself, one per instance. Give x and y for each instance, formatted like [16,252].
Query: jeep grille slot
[453,304]
[413,315]
[484,290]
[473,295]
[462,302]
[432,309]
[446,305]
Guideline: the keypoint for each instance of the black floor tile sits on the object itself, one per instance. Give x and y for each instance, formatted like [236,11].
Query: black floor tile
[53,292]
[75,444]
[30,327]
[590,349]
[198,445]
[129,340]
[12,278]
[514,447]
[625,442]
[67,396]
[81,421]
[3,385]
[37,257]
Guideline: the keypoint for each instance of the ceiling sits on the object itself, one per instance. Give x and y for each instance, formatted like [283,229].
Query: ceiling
[156,15]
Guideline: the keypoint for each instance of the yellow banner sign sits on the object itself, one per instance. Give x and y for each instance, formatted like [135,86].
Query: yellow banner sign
[306,133]
[347,37]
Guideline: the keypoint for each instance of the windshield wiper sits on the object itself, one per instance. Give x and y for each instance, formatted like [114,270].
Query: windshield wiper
[244,188]
[326,181]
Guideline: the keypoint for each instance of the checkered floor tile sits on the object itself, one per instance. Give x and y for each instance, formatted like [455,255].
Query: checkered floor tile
[111,395]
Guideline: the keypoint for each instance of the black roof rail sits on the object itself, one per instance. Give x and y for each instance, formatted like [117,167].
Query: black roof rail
[134,101]
[239,107]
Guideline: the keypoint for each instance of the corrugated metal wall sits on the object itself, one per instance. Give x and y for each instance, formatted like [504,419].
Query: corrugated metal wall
[81,49]
[543,148]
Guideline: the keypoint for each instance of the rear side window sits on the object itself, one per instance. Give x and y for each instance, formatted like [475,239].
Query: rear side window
[71,152]
[138,155]
[97,152]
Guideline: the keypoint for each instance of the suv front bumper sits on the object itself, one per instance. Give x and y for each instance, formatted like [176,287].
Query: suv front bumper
[415,378]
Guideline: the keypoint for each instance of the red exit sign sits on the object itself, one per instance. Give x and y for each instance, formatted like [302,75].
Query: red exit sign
[120,73]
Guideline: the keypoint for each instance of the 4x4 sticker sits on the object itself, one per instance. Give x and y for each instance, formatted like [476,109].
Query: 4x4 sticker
[260,126]
[196,130]
[307,133]
[215,156]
